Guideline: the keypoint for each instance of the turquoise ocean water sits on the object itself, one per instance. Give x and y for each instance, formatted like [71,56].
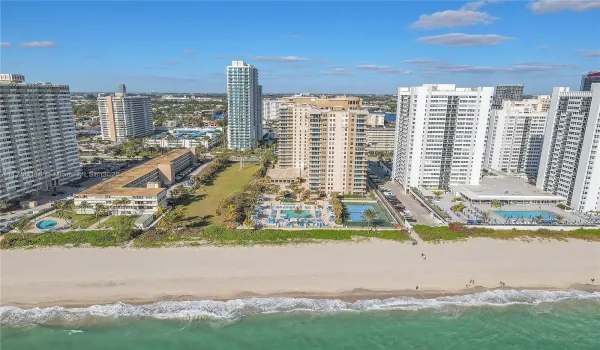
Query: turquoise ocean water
[489,320]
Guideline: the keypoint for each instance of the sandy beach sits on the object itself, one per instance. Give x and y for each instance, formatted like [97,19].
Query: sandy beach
[376,269]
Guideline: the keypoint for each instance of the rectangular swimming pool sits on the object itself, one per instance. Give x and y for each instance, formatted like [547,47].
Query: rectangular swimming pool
[290,213]
[525,214]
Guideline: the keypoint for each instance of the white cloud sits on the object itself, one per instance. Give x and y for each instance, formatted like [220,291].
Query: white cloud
[336,71]
[546,6]
[453,18]
[590,53]
[544,47]
[189,52]
[383,69]
[5,44]
[37,44]
[281,58]
[433,67]
[461,39]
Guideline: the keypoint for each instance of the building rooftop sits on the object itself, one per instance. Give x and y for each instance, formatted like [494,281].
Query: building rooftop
[116,186]
[283,173]
[504,187]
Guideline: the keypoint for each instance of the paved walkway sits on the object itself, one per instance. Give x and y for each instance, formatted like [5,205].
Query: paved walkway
[96,225]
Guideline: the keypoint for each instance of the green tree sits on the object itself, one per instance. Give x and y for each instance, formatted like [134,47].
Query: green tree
[22,225]
[64,210]
[122,228]
[99,211]
[172,218]
[369,216]
[84,206]
[485,216]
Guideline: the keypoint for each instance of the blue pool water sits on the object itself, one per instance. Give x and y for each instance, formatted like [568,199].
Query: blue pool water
[525,214]
[291,214]
[46,224]
[356,211]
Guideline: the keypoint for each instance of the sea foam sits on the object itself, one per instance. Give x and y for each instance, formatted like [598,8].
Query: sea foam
[235,309]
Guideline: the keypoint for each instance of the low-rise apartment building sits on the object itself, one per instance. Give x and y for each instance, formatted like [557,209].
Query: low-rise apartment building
[516,136]
[376,119]
[137,191]
[38,150]
[325,139]
[187,138]
[569,165]
[380,139]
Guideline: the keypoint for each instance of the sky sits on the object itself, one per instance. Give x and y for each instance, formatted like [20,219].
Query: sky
[328,47]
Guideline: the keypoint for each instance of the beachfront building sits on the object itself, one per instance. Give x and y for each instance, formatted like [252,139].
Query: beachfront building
[440,135]
[376,119]
[325,139]
[244,103]
[515,136]
[570,166]
[588,79]
[38,151]
[186,138]
[270,108]
[137,191]
[123,117]
[380,139]
[506,92]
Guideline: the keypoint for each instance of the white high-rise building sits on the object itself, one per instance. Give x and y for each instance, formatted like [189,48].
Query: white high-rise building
[270,107]
[516,135]
[440,135]
[244,106]
[570,166]
[38,150]
[123,117]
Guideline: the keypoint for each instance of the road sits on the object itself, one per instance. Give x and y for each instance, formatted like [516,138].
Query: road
[422,215]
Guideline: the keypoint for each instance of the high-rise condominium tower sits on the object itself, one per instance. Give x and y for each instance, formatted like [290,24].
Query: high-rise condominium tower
[440,135]
[588,79]
[270,108]
[507,92]
[37,137]
[570,166]
[516,135]
[123,117]
[244,106]
[325,138]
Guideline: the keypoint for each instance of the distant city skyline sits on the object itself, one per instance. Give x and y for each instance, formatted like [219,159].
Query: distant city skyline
[184,47]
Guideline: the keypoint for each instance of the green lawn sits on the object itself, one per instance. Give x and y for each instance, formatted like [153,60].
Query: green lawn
[80,220]
[201,209]
[112,219]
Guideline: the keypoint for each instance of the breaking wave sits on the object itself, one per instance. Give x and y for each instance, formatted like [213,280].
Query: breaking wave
[233,310]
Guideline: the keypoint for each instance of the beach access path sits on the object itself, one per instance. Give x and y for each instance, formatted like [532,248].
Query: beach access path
[84,276]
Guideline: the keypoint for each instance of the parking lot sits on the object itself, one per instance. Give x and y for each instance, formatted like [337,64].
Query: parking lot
[402,202]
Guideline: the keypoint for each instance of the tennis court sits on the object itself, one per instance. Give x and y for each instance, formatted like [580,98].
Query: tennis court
[355,212]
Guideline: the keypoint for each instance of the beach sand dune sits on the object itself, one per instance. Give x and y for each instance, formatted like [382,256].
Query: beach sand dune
[375,269]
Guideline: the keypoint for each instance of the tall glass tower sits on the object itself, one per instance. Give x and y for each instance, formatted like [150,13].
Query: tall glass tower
[244,106]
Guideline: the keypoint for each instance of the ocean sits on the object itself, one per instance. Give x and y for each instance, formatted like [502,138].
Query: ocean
[490,320]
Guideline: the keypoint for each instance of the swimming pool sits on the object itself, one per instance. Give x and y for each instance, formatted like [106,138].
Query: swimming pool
[291,214]
[46,224]
[525,214]
[356,211]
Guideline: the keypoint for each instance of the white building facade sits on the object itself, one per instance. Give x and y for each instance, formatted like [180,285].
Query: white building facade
[376,119]
[569,164]
[381,139]
[516,136]
[37,137]
[123,117]
[270,108]
[440,135]
[244,103]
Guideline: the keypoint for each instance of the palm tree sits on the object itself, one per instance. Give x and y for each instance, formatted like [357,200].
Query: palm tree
[485,216]
[63,210]
[538,219]
[22,225]
[172,218]
[297,210]
[161,209]
[99,211]
[438,193]
[305,195]
[369,216]
[84,206]
[559,218]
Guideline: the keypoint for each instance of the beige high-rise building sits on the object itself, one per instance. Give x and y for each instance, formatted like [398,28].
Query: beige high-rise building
[325,139]
[123,117]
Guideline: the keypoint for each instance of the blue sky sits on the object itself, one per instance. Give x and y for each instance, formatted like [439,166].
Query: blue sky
[345,47]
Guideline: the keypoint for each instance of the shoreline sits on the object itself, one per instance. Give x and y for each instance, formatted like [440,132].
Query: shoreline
[79,277]
[350,296]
